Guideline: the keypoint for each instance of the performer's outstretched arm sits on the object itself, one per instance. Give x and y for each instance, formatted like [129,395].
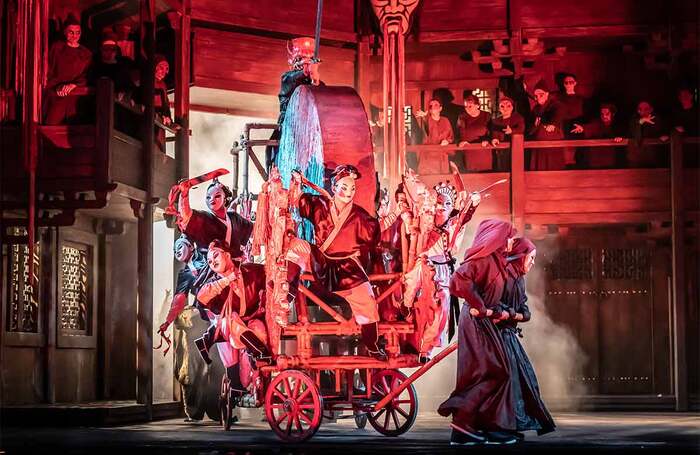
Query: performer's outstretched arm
[184,205]
[176,306]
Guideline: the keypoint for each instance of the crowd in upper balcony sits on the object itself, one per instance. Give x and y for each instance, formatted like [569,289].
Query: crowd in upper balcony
[74,70]
[544,114]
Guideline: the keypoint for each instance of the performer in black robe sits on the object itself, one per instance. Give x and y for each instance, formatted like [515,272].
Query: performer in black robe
[502,130]
[303,71]
[195,262]
[344,235]
[218,223]
[530,411]
[548,126]
[482,400]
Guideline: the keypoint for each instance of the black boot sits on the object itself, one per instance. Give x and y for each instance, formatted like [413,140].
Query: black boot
[233,373]
[255,347]
[370,336]
[205,342]
[293,274]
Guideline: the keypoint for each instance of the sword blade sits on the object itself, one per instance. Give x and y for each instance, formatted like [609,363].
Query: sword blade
[317,37]
[206,177]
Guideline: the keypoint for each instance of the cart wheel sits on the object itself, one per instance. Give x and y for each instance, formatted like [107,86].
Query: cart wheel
[226,404]
[361,420]
[293,406]
[399,414]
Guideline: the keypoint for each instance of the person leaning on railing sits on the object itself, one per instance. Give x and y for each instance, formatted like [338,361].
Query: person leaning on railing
[69,63]
[603,127]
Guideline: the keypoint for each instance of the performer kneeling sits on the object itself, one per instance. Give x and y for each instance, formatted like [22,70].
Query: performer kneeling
[235,296]
[344,234]
[482,399]
[530,411]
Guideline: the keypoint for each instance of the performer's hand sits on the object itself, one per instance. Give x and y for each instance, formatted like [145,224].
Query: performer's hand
[444,142]
[420,114]
[495,142]
[578,129]
[663,138]
[314,73]
[550,128]
[508,130]
[476,198]
[680,129]
[519,317]
[463,143]
[474,312]
[484,143]
[617,139]
[184,187]
[489,313]
[504,315]
[167,121]
[69,88]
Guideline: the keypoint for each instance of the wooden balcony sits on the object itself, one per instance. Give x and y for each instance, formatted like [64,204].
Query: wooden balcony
[584,197]
[95,167]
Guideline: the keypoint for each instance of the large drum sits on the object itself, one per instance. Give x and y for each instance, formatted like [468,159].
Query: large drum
[324,127]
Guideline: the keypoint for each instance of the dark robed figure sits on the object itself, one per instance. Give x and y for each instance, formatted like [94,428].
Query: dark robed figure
[482,399]
[530,411]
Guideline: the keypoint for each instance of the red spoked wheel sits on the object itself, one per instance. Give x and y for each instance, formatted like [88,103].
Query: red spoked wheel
[293,406]
[398,416]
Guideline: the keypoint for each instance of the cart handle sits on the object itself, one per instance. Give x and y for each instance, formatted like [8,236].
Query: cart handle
[416,374]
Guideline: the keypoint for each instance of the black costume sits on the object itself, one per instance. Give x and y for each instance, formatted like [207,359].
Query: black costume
[203,227]
[530,411]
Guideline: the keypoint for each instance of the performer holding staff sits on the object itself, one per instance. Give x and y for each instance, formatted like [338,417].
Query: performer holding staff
[482,400]
[530,411]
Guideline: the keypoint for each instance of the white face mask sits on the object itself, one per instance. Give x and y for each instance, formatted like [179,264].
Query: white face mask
[218,260]
[529,261]
[183,250]
[345,189]
[216,199]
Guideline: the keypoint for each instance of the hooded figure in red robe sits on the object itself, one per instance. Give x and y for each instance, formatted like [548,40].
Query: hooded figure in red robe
[482,399]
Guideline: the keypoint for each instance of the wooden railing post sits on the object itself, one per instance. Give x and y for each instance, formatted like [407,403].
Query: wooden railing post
[680,359]
[104,105]
[517,182]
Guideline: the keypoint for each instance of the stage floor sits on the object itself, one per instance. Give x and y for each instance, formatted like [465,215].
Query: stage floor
[579,433]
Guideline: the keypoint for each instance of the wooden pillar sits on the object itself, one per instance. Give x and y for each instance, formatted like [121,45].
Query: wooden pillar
[182,93]
[363,74]
[182,117]
[680,359]
[48,294]
[144,312]
[517,182]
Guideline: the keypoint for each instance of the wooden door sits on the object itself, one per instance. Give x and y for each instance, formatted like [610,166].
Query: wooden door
[603,287]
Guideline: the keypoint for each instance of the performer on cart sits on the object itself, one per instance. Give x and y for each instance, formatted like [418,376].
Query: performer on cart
[482,400]
[344,235]
[530,411]
[452,213]
[234,297]
[303,71]
[195,262]
[218,223]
